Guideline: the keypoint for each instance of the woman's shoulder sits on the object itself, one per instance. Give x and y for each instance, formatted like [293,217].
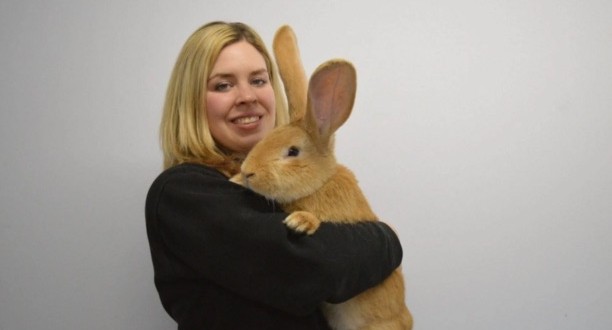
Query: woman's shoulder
[186,176]
[186,170]
[193,168]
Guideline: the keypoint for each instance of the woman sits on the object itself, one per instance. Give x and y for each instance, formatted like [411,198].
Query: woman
[222,257]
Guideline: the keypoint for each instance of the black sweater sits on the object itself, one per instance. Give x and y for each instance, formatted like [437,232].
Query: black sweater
[223,259]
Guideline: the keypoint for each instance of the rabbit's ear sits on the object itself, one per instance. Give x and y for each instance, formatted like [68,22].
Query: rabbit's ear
[291,70]
[331,94]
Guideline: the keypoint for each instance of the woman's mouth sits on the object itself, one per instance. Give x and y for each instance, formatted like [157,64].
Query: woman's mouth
[246,120]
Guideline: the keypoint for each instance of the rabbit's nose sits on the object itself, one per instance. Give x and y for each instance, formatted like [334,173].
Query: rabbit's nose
[245,179]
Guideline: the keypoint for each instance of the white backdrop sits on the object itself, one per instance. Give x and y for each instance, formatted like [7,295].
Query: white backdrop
[482,131]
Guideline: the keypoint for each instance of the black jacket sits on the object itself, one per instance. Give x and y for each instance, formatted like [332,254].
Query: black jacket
[223,259]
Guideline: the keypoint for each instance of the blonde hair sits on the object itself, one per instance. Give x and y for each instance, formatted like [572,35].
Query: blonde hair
[184,132]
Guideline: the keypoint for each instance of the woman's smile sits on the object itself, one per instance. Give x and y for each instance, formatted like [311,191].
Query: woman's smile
[247,120]
[241,108]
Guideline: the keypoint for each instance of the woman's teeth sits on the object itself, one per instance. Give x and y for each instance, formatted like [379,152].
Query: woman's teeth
[246,120]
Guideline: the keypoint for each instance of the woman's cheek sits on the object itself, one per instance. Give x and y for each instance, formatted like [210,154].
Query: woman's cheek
[215,105]
[268,99]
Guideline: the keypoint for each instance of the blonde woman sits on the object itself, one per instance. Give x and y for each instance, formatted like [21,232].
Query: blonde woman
[222,257]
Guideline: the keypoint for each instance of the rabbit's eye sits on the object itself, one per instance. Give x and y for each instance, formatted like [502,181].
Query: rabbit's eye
[293,151]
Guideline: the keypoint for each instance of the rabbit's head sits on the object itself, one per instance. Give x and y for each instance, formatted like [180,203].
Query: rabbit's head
[295,160]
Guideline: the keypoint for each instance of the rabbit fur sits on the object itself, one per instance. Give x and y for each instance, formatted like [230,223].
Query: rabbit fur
[295,166]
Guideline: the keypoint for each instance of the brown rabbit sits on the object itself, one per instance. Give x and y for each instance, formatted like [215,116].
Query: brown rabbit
[295,166]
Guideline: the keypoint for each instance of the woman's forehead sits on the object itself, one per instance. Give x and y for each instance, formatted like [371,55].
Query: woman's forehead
[239,56]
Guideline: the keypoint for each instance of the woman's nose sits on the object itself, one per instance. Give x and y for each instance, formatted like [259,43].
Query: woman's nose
[246,94]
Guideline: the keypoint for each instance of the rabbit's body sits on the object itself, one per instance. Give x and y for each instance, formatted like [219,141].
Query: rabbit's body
[381,307]
[336,200]
[327,192]
[295,166]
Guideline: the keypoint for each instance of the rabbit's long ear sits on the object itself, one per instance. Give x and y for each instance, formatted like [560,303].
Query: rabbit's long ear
[331,95]
[291,70]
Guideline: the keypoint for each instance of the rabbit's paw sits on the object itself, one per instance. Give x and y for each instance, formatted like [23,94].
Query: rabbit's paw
[302,222]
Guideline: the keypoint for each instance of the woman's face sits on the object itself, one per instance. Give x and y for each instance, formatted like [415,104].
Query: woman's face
[239,98]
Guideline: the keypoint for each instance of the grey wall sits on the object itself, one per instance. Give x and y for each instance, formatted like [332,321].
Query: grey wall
[482,131]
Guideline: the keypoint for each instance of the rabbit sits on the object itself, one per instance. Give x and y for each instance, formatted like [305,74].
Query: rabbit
[295,166]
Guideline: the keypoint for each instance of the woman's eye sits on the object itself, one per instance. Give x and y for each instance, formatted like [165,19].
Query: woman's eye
[259,81]
[293,151]
[223,86]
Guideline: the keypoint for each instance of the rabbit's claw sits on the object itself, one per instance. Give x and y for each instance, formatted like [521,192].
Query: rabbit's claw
[302,222]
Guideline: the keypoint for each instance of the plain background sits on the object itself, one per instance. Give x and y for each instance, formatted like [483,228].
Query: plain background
[482,131]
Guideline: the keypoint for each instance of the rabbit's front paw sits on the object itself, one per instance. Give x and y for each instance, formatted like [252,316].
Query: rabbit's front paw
[302,222]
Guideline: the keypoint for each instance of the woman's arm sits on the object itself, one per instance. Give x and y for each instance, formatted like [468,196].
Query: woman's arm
[200,225]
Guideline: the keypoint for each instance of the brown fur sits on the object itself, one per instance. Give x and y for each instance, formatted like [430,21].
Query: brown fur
[312,186]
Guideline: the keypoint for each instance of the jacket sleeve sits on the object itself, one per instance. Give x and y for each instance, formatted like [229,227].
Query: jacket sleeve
[201,226]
